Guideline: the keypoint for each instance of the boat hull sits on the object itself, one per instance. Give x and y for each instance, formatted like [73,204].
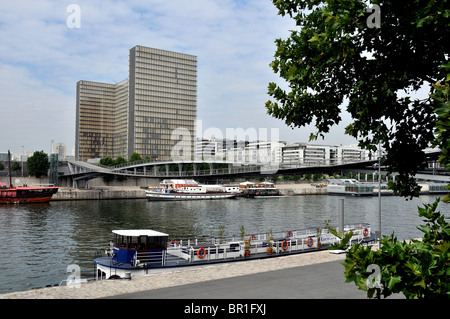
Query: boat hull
[26,195]
[158,196]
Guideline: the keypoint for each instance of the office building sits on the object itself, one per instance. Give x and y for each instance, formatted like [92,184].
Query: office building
[144,113]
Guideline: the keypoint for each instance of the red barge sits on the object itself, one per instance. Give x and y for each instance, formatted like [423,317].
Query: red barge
[25,194]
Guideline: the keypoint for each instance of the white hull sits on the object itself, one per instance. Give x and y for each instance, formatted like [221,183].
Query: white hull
[155,196]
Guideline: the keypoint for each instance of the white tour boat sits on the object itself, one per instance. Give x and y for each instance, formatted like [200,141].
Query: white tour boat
[189,190]
[349,187]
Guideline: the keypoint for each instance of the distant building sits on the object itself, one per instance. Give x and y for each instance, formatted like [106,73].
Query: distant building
[144,113]
[60,149]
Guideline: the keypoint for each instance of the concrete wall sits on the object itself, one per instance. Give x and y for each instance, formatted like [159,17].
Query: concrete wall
[100,193]
[24,180]
[98,182]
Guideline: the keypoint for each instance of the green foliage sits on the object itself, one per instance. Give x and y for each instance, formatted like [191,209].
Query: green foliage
[442,127]
[344,239]
[16,166]
[38,164]
[418,269]
[334,56]
[242,231]
[135,157]
[107,161]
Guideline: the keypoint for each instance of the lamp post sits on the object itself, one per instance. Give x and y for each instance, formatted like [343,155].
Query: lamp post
[379,196]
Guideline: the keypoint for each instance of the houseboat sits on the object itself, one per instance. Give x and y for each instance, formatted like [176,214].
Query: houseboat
[142,251]
[260,190]
[189,190]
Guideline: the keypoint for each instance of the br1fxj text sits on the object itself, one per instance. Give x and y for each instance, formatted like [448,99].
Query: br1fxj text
[238,308]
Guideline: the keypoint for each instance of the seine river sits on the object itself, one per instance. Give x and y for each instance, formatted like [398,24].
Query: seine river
[39,242]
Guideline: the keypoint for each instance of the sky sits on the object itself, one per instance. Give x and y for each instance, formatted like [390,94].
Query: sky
[47,46]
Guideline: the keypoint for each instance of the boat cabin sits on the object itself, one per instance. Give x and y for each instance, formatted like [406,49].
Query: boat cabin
[127,243]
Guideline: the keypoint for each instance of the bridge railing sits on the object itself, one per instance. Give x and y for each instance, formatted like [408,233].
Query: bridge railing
[234,168]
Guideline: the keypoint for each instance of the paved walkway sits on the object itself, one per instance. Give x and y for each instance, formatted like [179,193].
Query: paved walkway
[319,281]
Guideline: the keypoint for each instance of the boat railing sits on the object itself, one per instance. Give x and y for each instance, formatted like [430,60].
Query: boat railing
[228,248]
[283,241]
[295,233]
[149,258]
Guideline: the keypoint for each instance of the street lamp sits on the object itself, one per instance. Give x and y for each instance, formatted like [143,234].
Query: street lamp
[379,195]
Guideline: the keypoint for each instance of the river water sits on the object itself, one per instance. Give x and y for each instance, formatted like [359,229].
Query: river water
[40,241]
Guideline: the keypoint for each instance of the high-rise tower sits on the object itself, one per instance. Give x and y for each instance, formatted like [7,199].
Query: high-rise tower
[141,113]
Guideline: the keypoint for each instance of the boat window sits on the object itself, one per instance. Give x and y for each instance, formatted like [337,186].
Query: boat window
[121,241]
[157,243]
[132,242]
[143,242]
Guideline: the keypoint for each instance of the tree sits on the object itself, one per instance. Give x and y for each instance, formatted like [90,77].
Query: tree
[418,269]
[107,161]
[135,157]
[16,166]
[119,160]
[38,164]
[339,55]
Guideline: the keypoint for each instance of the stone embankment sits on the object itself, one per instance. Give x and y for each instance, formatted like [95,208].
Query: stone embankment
[302,189]
[99,193]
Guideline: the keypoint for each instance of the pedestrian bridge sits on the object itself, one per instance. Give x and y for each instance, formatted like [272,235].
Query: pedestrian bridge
[79,170]
[75,171]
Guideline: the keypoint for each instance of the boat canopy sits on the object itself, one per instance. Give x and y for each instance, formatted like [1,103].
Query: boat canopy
[342,180]
[140,232]
[177,183]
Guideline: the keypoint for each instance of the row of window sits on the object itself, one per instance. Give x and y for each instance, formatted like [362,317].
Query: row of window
[152,85]
[156,54]
[166,67]
[165,81]
[165,76]
[167,93]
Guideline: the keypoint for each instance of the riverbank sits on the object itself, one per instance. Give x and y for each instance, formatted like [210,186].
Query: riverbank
[135,192]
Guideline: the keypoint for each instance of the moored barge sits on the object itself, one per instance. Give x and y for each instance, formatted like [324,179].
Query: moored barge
[142,251]
[25,194]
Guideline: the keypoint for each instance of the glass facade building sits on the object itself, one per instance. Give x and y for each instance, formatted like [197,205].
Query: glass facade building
[94,120]
[143,113]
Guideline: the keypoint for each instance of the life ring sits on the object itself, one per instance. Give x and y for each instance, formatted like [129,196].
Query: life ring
[310,242]
[252,237]
[290,234]
[365,232]
[173,243]
[284,244]
[199,254]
